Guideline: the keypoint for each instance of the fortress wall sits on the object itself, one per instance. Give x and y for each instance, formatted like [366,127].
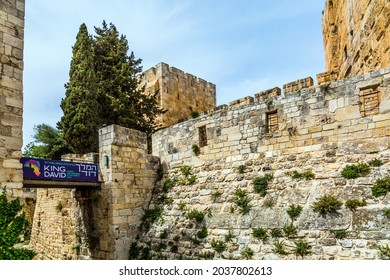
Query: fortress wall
[63,223]
[320,129]
[356,36]
[58,231]
[98,223]
[129,175]
[178,92]
[11,94]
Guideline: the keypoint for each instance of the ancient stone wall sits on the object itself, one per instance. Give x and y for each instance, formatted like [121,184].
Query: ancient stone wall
[319,130]
[82,223]
[11,94]
[63,224]
[178,92]
[356,36]
[129,175]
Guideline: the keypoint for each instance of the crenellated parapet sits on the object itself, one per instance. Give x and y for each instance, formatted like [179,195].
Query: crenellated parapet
[183,95]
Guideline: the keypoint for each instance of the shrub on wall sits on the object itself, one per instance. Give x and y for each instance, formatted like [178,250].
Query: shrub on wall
[168,184]
[247,253]
[307,175]
[353,204]
[195,214]
[355,170]
[339,233]
[302,248]
[242,201]
[381,187]
[260,233]
[279,248]
[196,149]
[294,211]
[260,184]
[218,245]
[326,204]
[375,162]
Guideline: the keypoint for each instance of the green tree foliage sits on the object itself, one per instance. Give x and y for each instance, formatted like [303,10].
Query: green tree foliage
[81,120]
[12,225]
[103,89]
[116,72]
[48,143]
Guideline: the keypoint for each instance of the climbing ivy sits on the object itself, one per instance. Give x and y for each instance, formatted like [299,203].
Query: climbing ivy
[12,225]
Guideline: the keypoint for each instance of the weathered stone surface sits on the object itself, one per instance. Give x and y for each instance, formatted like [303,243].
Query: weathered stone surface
[11,97]
[355,35]
[178,92]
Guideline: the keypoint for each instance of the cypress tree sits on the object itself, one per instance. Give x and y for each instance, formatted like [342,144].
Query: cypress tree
[82,112]
[122,101]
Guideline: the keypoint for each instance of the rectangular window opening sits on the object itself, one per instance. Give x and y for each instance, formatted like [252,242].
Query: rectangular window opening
[369,101]
[272,121]
[202,136]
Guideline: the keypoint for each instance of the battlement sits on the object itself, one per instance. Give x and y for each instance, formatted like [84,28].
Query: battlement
[321,111]
[298,85]
[180,93]
[267,96]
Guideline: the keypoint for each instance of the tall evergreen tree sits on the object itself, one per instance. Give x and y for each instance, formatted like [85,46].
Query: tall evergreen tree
[82,111]
[122,101]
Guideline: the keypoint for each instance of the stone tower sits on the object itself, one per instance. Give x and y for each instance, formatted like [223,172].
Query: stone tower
[178,92]
[11,94]
[356,36]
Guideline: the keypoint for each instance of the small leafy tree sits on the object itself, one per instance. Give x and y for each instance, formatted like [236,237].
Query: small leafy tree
[48,143]
[12,225]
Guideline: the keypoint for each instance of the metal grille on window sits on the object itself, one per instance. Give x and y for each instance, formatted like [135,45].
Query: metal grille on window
[202,136]
[369,101]
[272,122]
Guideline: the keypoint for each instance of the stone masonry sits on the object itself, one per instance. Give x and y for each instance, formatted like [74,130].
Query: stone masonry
[204,161]
[11,94]
[320,129]
[356,36]
[177,92]
[82,223]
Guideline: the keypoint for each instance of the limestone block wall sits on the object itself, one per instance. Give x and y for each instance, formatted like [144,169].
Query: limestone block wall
[129,175]
[98,223]
[178,92]
[320,129]
[59,231]
[356,36]
[63,222]
[11,94]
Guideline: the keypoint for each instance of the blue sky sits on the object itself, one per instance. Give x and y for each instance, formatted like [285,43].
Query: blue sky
[241,46]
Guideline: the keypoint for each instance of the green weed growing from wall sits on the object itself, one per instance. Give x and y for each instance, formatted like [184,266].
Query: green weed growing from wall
[302,248]
[294,211]
[353,204]
[375,162]
[279,248]
[198,216]
[381,187]
[247,253]
[307,175]
[242,201]
[355,170]
[218,245]
[326,204]
[260,184]
[260,233]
